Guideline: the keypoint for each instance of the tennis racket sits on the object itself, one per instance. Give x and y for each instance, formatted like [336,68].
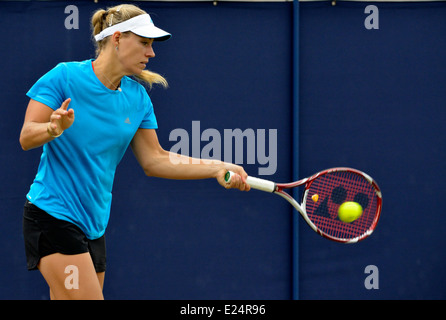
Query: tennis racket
[324,192]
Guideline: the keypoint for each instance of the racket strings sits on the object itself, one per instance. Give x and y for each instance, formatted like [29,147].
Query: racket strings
[333,189]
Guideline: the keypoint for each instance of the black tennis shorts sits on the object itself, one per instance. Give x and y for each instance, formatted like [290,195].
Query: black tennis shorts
[45,235]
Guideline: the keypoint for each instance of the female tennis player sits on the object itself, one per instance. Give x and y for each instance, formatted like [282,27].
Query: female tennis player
[85,115]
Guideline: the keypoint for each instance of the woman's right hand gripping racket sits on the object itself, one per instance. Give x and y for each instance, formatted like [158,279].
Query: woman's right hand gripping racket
[324,192]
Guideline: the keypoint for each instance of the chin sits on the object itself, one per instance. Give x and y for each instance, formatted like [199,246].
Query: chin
[138,71]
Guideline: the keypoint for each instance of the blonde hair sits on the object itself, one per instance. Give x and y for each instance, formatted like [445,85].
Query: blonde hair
[103,19]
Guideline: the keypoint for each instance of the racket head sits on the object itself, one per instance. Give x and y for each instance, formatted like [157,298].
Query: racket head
[334,187]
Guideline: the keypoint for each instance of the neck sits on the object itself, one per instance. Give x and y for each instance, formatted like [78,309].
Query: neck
[106,73]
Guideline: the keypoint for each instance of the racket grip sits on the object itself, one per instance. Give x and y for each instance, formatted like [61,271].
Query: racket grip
[255,183]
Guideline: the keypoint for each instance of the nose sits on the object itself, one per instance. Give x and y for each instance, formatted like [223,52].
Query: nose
[149,52]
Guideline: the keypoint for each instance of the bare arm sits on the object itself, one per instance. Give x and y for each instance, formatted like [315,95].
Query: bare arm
[43,124]
[158,162]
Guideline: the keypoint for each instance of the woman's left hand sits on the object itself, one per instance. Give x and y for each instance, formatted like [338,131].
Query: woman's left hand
[238,180]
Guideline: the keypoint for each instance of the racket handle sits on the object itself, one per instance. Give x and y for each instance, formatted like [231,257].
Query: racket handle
[256,183]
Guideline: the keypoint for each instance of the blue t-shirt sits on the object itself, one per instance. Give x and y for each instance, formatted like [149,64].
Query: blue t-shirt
[76,171]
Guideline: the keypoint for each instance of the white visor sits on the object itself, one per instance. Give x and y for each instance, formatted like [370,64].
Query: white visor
[141,25]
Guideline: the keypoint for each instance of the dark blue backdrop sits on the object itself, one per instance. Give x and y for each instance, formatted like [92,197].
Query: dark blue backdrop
[370,99]
[375,100]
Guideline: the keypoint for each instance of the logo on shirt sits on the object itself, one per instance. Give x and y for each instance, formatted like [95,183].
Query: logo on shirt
[127,121]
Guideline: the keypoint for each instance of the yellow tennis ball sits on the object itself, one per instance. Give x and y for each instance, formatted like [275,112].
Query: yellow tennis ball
[349,211]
